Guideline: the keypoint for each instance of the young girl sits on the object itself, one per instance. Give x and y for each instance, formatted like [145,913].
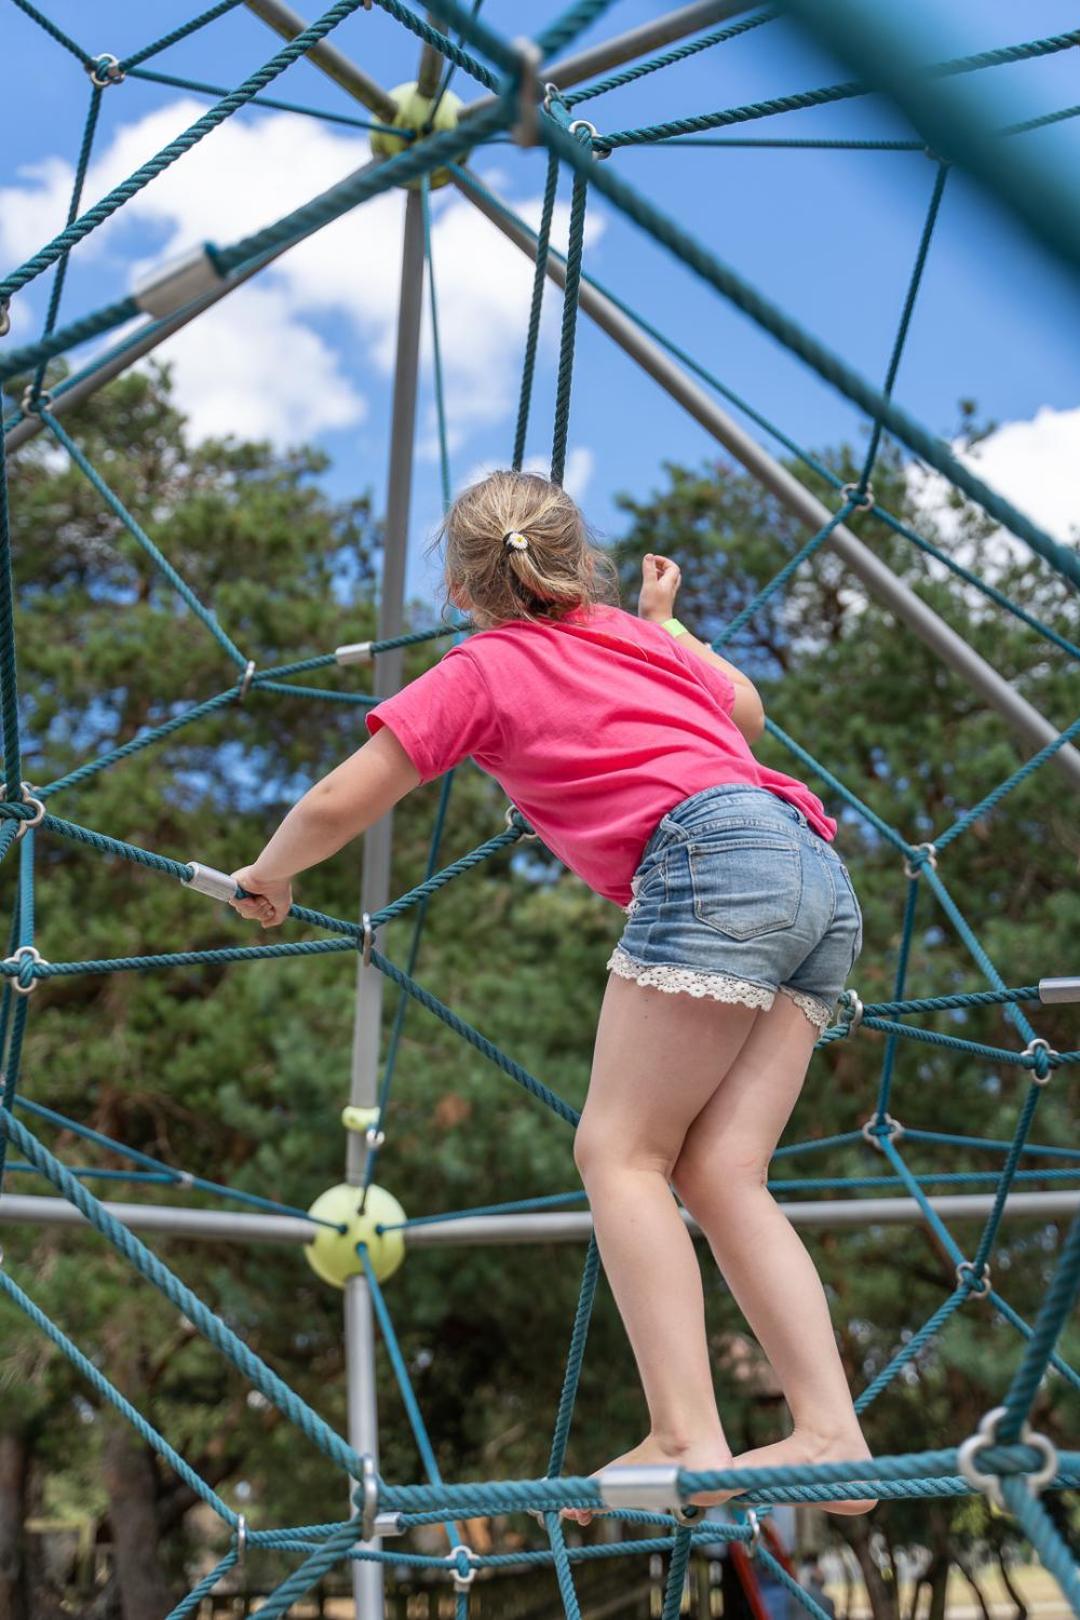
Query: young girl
[625,742]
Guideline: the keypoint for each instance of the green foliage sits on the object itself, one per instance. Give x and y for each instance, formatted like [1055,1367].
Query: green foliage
[239,1074]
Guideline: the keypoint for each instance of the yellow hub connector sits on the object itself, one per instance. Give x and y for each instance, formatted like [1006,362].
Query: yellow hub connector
[413,112]
[332,1253]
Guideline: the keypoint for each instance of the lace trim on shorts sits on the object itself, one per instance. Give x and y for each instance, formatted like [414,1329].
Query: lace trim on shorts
[817,1012]
[726,987]
[664,976]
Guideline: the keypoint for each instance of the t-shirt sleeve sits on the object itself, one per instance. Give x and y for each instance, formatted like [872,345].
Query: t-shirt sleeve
[443,716]
[712,678]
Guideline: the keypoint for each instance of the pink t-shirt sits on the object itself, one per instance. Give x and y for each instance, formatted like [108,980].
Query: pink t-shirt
[595,726]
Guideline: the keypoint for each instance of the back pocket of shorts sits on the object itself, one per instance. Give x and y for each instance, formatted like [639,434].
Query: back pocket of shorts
[746,885]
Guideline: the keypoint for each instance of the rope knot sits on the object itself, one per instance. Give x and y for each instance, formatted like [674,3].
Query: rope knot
[918,857]
[24,962]
[105,70]
[462,1567]
[1040,1059]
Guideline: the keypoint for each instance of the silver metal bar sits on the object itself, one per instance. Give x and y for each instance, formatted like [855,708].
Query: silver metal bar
[650,36]
[157,333]
[216,1225]
[344,72]
[368,1588]
[879,579]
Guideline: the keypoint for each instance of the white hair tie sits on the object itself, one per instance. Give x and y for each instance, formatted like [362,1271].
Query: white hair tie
[516,542]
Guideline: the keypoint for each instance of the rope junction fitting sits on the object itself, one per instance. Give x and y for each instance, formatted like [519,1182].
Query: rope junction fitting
[990,1484]
[105,70]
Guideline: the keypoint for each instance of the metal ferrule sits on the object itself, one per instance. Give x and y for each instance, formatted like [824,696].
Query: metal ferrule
[650,1488]
[389,1524]
[208,880]
[171,286]
[354,652]
[1058,991]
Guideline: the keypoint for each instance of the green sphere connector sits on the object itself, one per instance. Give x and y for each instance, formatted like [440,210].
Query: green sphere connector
[332,1254]
[413,112]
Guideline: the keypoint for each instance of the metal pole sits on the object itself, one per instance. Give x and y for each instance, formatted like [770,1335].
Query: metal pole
[375,883]
[473,1231]
[650,36]
[878,578]
[288,23]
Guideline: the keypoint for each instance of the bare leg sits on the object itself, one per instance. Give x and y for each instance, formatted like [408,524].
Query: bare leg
[720,1175]
[658,1060]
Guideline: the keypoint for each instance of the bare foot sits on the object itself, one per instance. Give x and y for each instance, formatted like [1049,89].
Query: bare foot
[803,1447]
[700,1455]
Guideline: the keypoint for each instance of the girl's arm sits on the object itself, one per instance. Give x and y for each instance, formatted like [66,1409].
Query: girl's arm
[660,581]
[330,815]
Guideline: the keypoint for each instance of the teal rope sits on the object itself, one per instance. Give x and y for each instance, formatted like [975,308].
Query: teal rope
[57,34]
[83,773]
[138,533]
[436,347]
[960,923]
[946,1138]
[907,934]
[200,88]
[208,1323]
[988,590]
[798,1592]
[177,1178]
[404,1383]
[81,166]
[837,786]
[532,336]
[14,1019]
[571,290]
[311,1571]
[676,1576]
[445,45]
[910,1350]
[830,366]
[78,229]
[778,581]
[177,34]
[1057,1305]
[190,1604]
[1052,1551]
[563,1570]
[9,692]
[830,93]
[16,361]
[1014,781]
[447,80]
[574,1358]
[719,36]
[906,313]
[1005,1310]
[1006,1176]
[108,1392]
[514,1207]
[565,28]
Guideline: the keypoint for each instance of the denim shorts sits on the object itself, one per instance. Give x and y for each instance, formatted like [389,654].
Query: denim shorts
[736,897]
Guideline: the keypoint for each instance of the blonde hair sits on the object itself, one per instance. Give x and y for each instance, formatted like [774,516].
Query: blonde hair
[558,569]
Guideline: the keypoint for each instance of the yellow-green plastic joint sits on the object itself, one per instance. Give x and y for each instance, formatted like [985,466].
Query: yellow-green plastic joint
[333,1252]
[413,112]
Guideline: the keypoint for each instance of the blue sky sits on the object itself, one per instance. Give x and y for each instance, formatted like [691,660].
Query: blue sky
[829,235]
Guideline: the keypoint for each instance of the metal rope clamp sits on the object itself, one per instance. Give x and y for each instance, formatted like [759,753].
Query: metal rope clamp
[753,1540]
[593,134]
[865,501]
[912,870]
[26,796]
[649,1487]
[245,680]
[209,881]
[893,1134]
[1032,1050]
[26,954]
[520,825]
[851,1015]
[462,1582]
[5,316]
[369,1499]
[241,1539]
[990,1484]
[369,939]
[980,1286]
[104,70]
[34,400]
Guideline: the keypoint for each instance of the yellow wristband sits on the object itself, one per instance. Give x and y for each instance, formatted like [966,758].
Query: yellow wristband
[674,628]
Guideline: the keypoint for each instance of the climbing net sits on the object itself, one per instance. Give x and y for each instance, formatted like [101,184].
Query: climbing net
[1005,1460]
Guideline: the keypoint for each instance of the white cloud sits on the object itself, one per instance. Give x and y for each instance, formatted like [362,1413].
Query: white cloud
[1032,463]
[258,364]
